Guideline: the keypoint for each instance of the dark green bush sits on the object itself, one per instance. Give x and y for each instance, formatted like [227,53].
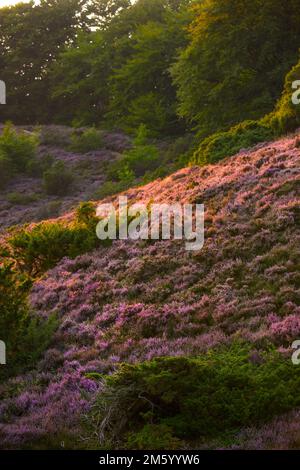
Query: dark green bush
[17,152]
[25,335]
[135,162]
[38,249]
[286,116]
[37,167]
[208,396]
[58,179]
[88,140]
[224,144]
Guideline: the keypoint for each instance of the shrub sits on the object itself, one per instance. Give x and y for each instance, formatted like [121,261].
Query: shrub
[224,144]
[207,396]
[135,162]
[25,335]
[37,167]
[19,148]
[17,153]
[286,116]
[6,170]
[180,150]
[86,215]
[88,140]
[38,249]
[58,179]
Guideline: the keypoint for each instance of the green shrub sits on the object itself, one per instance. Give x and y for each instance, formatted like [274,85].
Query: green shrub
[17,153]
[37,167]
[224,144]
[58,180]
[38,249]
[25,335]
[19,148]
[88,140]
[135,162]
[180,150]
[6,170]
[86,215]
[203,397]
[286,116]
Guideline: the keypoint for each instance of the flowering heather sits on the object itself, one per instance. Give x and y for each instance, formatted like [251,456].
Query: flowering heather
[139,300]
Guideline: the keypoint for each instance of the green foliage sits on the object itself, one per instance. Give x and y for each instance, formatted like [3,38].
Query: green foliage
[233,67]
[153,436]
[40,248]
[191,398]
[89,139]
[34,34]
[286,116]
[25,335]
[86,215]
[120,74]
[58,179]
[224,144]
[17,152]
[135,162]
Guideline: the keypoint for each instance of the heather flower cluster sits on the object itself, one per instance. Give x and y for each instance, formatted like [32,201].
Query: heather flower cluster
[139,300]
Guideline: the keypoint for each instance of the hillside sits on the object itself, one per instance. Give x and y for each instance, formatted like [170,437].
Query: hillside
[135,301]
[24,198]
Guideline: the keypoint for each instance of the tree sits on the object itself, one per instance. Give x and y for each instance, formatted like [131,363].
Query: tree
[238,54]
[31,36]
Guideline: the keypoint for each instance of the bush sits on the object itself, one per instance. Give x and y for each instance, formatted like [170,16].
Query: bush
[86,215]
[17,153]
[208,396]
[88,140]
[36,168]
[224,144]
[25,335]
[135,162]
[58,180]
[38,249]
[286,116]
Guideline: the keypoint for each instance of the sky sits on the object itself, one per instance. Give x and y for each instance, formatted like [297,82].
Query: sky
[4,3]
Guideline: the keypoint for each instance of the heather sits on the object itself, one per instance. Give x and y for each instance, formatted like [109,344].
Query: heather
[137,301]
[58,178]
[144,344]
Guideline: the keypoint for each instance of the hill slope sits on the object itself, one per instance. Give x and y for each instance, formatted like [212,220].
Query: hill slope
[135,301]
